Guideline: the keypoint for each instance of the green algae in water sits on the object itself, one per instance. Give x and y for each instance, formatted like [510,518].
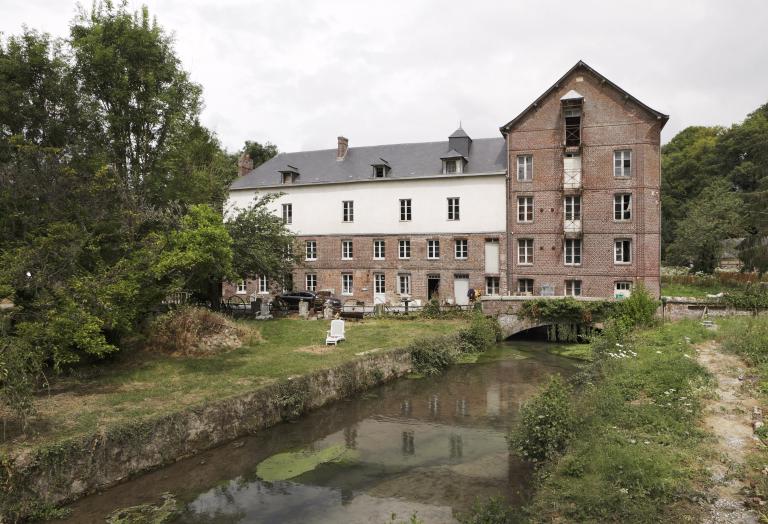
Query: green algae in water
[146,513]
[284,466]
[467,358]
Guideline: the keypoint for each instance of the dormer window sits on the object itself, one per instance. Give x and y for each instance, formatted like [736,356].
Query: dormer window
[572,103]
[453,163]
[289,175]
[380,169]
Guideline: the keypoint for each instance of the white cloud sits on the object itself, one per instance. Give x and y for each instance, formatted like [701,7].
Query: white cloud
[299,73]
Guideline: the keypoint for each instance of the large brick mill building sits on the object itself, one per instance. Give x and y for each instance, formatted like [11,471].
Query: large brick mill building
[565,202]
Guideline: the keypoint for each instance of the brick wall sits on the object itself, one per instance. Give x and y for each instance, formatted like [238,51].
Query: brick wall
[609,122]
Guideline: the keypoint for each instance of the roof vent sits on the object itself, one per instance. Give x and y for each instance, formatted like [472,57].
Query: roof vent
[341,148]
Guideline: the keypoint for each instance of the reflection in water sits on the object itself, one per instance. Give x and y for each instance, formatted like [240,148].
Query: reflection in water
[462,455]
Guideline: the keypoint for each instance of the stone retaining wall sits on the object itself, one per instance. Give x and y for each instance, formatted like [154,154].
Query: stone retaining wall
[65,471]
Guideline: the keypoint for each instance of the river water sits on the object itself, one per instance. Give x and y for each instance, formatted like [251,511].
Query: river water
[428,446]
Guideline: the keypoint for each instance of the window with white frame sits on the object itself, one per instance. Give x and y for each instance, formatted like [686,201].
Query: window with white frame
[525,209]
[453,208]
[404,249]
[433,249]
[310,282]
[379,283]
[622,289]
[622,163]
[525,251]
[287,213]
[310,247]
[525,286]
[491,285]
[572,251]
[263,284]
[405,209]
[346,284]
[622,206]
[573,288]
[525,168]
[241,287]
[622,251]
[346,250]
[378,250]
[348,211]
[572,207]
[462,248]
[404,284]
[380,170]
[452,166]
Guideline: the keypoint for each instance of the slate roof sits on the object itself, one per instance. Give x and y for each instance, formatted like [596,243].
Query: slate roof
[486,155]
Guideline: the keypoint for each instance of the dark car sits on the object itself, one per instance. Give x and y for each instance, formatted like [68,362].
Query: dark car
[291,299]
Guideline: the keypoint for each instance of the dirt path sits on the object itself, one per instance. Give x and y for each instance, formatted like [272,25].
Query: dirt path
[729,417]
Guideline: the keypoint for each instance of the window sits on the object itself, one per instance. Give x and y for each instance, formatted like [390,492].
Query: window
[525,209]
[346,284]
[453,208]
[622,289]
[525,168]
[462,248]
[287,213]
[451,166]
[572,126]
[433,249]
[573,288]
[287,282]
[525,285]
[263,285]
[622,252]
[311,282]
[379,284]
[348,211]
[310,247]
[404,284]
[572,206]
[622,163]
[289,177]
[378,249]
[405,209]
[380,171]
[622,206]
[491,285]
[525,251]
[572,251]
[404,248]
[346,250]
[241,288]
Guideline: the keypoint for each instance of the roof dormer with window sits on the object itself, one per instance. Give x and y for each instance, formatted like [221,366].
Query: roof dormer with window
[381,168]
[289,175]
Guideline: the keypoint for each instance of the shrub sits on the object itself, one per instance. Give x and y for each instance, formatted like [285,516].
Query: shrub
[546,422]
[751,297]
[639,309]
[431,309]
[430,356]
[482,333]
[191,331]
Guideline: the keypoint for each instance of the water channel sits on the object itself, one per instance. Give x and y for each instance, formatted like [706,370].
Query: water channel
[429,446]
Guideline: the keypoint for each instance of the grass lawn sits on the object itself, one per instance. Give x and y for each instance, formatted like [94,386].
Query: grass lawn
[688,290]
[145,384]
[636,453]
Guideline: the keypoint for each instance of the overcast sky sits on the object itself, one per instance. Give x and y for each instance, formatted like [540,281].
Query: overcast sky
[298,73]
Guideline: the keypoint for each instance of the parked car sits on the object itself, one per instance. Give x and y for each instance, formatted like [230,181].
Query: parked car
[291,299]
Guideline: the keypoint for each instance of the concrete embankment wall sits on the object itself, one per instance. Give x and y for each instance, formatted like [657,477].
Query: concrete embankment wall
[68,470]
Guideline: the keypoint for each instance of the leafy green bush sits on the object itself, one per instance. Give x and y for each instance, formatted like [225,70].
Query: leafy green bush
[430,356]
[431,309]
[546,422]
[491,511]
[639,309]
[751,297]
[483,332]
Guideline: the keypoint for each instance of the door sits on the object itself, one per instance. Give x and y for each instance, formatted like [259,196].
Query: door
[379,289]
[460,290]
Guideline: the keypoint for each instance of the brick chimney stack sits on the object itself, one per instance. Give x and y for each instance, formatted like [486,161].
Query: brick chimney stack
[341,149]
[244,164]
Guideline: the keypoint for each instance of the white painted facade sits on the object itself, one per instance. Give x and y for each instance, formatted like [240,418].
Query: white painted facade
[317,208]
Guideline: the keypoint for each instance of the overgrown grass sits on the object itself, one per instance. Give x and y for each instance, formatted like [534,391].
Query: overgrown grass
[635,452]
[144,384]
[748,337]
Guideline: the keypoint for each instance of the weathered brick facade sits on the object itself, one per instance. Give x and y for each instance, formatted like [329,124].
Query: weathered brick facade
[611,121]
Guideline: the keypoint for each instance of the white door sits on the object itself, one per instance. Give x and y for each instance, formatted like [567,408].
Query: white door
[379,289]
[492,256]
[460,289]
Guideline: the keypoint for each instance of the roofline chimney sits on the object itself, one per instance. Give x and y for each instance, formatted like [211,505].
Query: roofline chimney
[244,164]
[341,148]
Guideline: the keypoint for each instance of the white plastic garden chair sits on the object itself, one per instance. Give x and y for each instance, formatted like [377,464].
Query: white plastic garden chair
[336,333]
